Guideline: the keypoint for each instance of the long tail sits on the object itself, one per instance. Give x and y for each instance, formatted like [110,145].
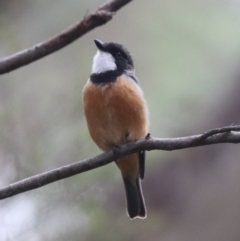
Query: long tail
[135,201]
[132,169]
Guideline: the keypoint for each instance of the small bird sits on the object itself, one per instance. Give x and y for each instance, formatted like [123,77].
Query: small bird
[116,113]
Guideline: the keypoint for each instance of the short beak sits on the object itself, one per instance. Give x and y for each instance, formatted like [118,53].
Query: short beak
[99,44]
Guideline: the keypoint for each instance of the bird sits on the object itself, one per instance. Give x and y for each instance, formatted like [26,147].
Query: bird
[116,113]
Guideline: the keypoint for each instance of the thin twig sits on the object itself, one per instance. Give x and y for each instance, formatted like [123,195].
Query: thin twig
[212,132]
[101,16]
[168,144]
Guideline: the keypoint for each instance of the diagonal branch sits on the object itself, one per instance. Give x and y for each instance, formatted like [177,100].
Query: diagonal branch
[215,136]
[101,16]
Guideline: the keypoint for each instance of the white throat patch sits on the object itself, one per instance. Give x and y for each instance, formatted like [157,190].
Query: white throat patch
[103,62]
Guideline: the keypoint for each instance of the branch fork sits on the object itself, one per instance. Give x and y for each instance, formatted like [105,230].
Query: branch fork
[229,134]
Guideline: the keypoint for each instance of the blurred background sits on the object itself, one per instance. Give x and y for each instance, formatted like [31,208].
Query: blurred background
[187,57]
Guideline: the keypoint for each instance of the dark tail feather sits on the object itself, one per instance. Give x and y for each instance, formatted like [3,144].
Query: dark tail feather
[135,201]
[141,155]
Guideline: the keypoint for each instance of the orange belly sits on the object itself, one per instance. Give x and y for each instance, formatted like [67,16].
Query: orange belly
[116,113]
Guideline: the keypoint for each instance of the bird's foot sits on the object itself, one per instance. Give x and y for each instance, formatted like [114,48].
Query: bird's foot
[148,136]
[116,149]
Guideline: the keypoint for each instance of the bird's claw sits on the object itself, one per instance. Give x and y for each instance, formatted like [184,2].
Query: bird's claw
[148,136]
[116,149]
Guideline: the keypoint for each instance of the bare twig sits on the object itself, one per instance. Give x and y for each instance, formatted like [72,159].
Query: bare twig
[101,16]
[217,131]
[215,136]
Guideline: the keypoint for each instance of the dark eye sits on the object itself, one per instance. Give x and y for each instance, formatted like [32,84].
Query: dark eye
[118,54]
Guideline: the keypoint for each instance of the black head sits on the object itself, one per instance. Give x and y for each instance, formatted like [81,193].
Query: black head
[120,54]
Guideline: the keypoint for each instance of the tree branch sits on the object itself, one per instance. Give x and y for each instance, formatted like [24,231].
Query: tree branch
[101,16]
[217,131]
[215,136]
